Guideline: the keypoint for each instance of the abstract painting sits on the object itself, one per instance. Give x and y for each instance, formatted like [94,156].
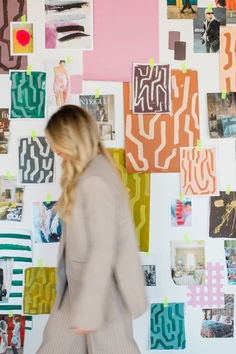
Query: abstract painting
[16,246]
[228,59]
[35,161]
[181,212]
[198,171]
[210,294]
[223,215]
[222,115]
[46,223]
[230,255]
[4,130]
[151,89]
[152,141]
[68,24]
[10,10]
[12,333]
[188,262]
[40,290]
[11,199]
[102,109]
[219,323]
[27,94]
[138,186]
[167,330]
[22,38]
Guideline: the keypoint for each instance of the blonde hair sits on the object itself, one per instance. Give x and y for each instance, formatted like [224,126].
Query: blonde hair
[73,131]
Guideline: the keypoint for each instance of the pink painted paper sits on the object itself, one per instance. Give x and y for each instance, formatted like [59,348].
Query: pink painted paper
[76,84]
[211,294]
[124,32]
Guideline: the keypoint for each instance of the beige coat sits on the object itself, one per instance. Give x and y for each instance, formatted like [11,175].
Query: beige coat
[98,256]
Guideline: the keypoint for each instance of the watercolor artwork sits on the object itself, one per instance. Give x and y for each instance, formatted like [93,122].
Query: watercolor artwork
[68,24]
[219,323]
[228,59]
[10,10]
[46,223]
[167,330]
[153,141]
[181,212]
[151,88]
[22,38]
[198,171]
[223,215]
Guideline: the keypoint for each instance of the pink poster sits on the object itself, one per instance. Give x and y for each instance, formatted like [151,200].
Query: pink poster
[127,34]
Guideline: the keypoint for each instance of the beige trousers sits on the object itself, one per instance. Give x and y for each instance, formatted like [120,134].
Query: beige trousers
[116,337]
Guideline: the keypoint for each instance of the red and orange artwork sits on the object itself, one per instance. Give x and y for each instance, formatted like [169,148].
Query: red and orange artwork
[228,59]
[22,38]
[152,141]
[198,171]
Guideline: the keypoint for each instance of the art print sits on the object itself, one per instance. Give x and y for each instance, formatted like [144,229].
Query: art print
[4,130]
[11,199]
[181,212]
[22,38]
[12,332]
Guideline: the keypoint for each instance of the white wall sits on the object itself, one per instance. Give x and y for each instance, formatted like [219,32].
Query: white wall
[163,186]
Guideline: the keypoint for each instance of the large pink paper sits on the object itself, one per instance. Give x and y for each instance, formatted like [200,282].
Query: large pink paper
[125,31]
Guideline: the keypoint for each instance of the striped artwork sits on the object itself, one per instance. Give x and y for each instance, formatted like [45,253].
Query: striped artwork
[16,246]
[138,186]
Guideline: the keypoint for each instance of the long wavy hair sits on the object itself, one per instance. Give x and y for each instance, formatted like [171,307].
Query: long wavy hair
[73,132]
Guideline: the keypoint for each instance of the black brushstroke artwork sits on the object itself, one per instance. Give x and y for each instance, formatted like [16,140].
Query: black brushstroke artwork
[68,28]
[61,8]
[72,36]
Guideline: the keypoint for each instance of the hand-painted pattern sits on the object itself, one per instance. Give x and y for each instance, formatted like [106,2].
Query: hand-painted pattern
[228,59]
[167,329]
[36,161]
[27,95]
[11,10]
[138,186]
[198,171]
[152,142]
[152,93]
[39,292]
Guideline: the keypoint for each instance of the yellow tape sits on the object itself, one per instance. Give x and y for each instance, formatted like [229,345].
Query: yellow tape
[28,69]
[48,199]
[183,66]
[199,145]
[23,20]
[165,302]
[186,239]
[10,314]
[9,176]
[228,188]
[68,59]
[34,135]
[151,62]
[97,94]
[40,262]
[223,94]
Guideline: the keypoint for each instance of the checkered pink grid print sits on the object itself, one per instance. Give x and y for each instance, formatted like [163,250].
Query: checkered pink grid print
[211,294]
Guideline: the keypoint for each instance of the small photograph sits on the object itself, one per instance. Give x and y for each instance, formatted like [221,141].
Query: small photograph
[102,109]
[219,323]
[222,115]
[6,275]
[12,333]
[22,38]
[11,199]
[230,255]
[206,29]
[46,223]
[150,274]
[181,212]
[181,9]
[61,83]
[188,262]
[4,130]
[230,6]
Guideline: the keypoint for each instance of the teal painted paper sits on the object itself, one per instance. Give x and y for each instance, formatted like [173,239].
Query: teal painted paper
[27,94]
[167,327]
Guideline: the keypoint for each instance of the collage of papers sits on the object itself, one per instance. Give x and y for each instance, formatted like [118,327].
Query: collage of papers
[148,116]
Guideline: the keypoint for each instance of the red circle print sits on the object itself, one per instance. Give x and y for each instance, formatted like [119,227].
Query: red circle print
[23,37]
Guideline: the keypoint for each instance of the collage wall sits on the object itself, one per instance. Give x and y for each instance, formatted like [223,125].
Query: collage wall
[163,94]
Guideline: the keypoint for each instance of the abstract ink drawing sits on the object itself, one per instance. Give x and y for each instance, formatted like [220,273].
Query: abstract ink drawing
[153,141]
[68,24]
[167,330]
[36,161]
[151,90]
[27,94]
[198,171]
[11,10]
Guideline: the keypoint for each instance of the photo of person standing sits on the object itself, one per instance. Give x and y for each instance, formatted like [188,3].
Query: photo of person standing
[187,5]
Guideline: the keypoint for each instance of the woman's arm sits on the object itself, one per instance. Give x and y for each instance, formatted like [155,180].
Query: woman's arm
[88,307]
